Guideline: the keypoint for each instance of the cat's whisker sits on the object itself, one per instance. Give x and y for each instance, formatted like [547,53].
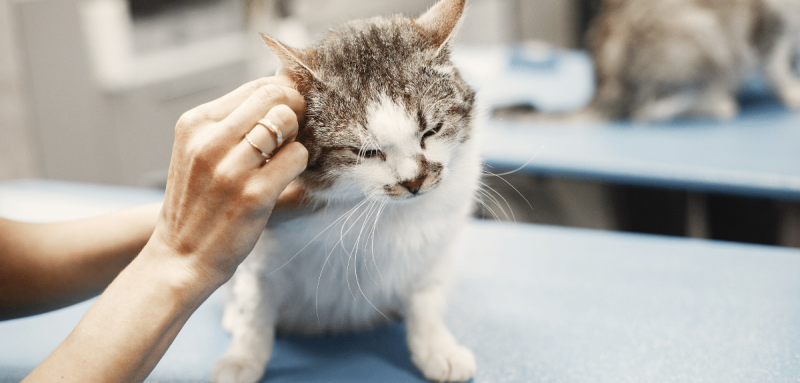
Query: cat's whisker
[371,234]
[486,191]
[533,157]
[317,236]
[358,282]
[483,192]
[374,227]
[350,253]
[368,300]
[343,232]
[367,218]
[486,207]
[354,251]
[347,214]
[512,187]
[319,281]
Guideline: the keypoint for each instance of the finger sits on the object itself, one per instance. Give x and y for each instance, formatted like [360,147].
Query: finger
[242,120]
[248,154]
[284,167]
[283,120]
[294,197]
[222,107]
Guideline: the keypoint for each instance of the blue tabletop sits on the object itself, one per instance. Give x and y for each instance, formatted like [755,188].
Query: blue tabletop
[535,303]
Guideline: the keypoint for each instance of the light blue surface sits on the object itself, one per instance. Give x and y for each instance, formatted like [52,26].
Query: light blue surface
[757,154]
[535,303]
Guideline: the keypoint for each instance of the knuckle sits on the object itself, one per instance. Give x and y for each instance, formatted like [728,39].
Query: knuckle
[199,157]
[298,153]
[255,85]
[202,150]
[251,196]
[294,94]
[224,179]
[284,115]
[271,93]
[191,118]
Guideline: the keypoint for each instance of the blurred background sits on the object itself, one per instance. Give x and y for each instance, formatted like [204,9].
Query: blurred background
[92,88]
[90,91]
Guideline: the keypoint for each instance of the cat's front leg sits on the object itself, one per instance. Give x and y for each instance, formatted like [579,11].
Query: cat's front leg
[251,321]
[434,350]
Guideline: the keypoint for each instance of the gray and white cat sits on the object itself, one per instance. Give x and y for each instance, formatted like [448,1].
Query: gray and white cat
[392,174]
[657,60]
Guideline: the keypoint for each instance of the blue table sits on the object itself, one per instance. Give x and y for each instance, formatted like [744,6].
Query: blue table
[757,154]
[535,303]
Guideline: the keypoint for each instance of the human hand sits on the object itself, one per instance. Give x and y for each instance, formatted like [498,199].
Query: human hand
[220,192]
[293,198]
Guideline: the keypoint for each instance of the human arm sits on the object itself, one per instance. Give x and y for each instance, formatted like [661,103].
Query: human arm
[219,196]
[46,266]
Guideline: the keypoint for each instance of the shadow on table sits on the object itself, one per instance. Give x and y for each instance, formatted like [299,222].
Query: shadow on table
[9,374]
[379,355]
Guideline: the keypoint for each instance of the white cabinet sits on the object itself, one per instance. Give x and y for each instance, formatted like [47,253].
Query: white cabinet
[105,129]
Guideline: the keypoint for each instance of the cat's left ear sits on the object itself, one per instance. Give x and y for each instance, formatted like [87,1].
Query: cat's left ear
[295,63]
[441,20]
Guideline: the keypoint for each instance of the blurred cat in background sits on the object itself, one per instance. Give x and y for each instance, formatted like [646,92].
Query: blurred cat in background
[657,60]
[392,175]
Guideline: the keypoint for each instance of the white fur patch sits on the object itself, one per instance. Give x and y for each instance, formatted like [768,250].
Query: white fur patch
[390,123]
[397,134]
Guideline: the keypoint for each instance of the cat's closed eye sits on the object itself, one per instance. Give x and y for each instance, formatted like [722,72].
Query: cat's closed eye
[368,153]
[431,132]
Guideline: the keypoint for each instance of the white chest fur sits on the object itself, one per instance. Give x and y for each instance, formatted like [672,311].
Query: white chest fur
[350,265]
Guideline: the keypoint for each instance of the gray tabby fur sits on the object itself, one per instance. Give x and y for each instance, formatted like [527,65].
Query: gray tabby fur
[658,60]
[392,175]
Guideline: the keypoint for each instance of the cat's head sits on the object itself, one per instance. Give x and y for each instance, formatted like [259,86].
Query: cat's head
[386,109]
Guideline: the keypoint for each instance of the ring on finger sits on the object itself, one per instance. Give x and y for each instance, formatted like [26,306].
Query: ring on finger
[249,141]
[270,126]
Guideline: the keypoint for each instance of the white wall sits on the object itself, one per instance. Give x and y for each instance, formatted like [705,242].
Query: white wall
[17,155]
[553,21]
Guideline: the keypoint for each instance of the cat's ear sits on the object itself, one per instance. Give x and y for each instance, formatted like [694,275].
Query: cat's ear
[295,63]
[441,20]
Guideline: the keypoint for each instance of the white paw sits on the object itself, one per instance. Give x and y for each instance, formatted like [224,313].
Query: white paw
[439,363]
[231,369]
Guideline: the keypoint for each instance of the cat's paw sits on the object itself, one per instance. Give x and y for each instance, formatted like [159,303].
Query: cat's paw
[451,363]
[790,95]
[231,369]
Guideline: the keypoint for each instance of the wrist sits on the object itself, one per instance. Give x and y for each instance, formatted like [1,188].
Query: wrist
[181,273]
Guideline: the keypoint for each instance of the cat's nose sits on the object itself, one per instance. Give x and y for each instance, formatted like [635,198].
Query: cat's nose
[413,185]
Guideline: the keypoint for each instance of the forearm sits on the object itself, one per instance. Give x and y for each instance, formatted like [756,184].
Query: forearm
[52,265]
[132,324]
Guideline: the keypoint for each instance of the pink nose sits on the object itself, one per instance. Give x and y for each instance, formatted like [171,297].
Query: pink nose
[413,185]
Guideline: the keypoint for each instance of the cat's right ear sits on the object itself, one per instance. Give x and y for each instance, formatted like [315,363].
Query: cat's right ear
[295,63]
[439,22]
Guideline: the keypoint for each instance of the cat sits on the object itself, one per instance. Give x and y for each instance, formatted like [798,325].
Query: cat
[392,175]
[658,60]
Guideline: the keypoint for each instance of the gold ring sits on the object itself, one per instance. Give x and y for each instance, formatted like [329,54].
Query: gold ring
[249,141]
[266,123]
